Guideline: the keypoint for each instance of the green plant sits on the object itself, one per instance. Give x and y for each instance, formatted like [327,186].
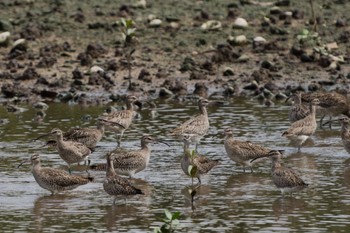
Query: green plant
[307,38]
[129,38]
[192,172]
[171,222]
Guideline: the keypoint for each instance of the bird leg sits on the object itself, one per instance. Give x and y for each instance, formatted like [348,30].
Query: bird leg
[251,169]
[69,170]
[120,137]
[115,198]
[199,180]
[321,120]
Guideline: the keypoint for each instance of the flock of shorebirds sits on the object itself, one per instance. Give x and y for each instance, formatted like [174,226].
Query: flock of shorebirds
[77,144]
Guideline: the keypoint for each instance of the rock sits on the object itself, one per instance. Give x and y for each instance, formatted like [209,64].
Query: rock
[238,40]
[298,14]
[151,17]
[164,92]
[155,23]
[240,23]
[187,64]
[197,75]
[77,74]
[313,87]
[46,62]
[96,69]
[252,86]
[28,74]
[201,89]
[324,61]
[145,76]
[5,25]
[275,10]
[211,25]
[306,58]
[332,45]
[296,51]
[85,59]
[340,23]
[20,44]
[259,43]
[5,39]
[228,71]
[95,50]
[277,31]
[141,4]
[283,3]
[243,58]
[267,64]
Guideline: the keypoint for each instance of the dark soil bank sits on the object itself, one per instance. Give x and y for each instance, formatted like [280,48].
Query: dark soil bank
[74,50]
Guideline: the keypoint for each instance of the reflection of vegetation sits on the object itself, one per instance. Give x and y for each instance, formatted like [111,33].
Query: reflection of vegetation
[129,38]
[171,222]
[192,172]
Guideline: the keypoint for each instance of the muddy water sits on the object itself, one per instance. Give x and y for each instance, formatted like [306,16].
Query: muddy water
[228,199]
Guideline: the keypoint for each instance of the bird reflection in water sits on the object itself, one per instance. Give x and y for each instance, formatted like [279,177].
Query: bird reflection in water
[287,205]
[194,196]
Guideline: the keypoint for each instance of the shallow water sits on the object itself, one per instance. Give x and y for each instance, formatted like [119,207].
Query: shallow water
[228,199]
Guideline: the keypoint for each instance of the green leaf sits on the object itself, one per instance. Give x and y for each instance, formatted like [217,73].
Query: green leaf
[123,22]
[129,23]
[168,214]
[192,170]
[176,215]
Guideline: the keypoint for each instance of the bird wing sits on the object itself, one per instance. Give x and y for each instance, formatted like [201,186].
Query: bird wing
[62,178]
[204,164]
[128,160]
[78,133]
[120,185]
[287,178]
[120,117]
[196,125]
[80,147]
[248,150]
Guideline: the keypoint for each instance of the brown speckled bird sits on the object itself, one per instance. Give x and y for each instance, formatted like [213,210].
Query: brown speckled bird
[203,164]
[302,129]
[197,126]
[286,179]
[70,151]
[55,180]
[115,185]
[130,162]
[331,104]
[297,111]
[242,152]
[120,120]
[345,132]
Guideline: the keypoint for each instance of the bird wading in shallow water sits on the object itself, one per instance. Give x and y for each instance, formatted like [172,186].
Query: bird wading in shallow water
[203,164]
[243,152]
[115,185]
[130,162]
[197,126]
[302,129]
[52,179]
[120,120]
[286,179]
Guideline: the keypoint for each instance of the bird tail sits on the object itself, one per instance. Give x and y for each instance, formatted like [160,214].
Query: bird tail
[139,191]
[284,134]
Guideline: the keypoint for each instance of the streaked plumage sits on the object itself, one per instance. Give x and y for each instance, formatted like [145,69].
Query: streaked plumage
[197,126]
[203,164]
[116,185]
[345,132]
[302,129]
[286,179]
[87,136]
[130,162]
[331,104]
[70,151]
[242,152]
[120,120]
[297,111]
[55,180]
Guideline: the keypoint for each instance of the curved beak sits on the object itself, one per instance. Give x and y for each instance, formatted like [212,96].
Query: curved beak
[288,98]
[267,155]
[44,135]
[23,162]
[161,141]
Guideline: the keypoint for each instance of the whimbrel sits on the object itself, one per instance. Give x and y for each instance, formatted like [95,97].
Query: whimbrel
[242,152]
[302,129]
[286,179]
[130,162]
[70,151]
[345,132]
[116,185]
[297,111]
[203,164]
[55,180]
[120,120]
[197,126]
[331,104]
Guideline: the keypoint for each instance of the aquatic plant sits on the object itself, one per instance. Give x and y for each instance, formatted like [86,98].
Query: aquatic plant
[170,223]
[130,40]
